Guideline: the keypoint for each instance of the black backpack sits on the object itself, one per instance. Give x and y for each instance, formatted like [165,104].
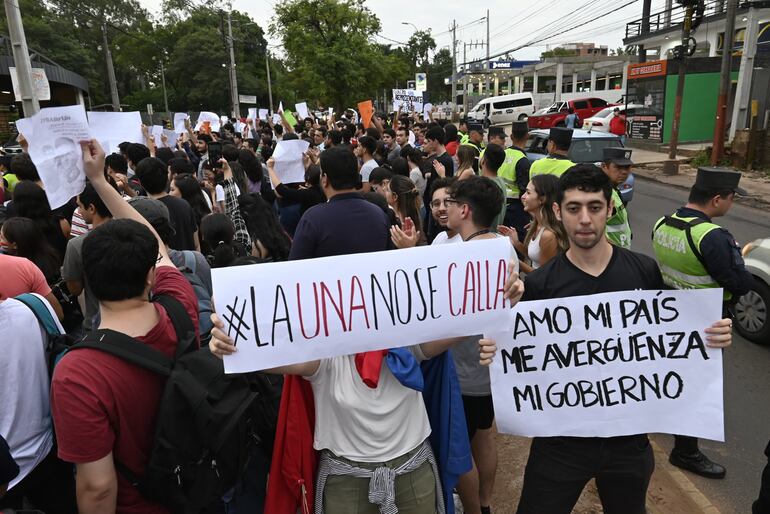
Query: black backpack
[208,422]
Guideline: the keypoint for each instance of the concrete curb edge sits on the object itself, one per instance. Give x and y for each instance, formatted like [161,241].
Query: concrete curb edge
[680,479]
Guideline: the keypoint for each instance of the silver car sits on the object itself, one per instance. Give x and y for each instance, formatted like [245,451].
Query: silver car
[751,314]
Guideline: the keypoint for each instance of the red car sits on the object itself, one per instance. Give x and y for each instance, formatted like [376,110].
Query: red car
[555,114]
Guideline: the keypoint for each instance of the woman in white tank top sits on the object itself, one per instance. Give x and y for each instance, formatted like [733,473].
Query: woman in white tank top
[546,236]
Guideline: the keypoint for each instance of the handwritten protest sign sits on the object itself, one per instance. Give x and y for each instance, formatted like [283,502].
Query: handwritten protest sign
[290,312]
[179,119]
[54,136]
[113,128]
[611,364]
[367,110]
[288,160]
[407,100]
[39,83]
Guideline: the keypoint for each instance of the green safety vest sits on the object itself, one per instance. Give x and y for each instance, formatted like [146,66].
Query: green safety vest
[480,147]
[508,171]
[550,166]
[618,230]
[463,137]
[676,242]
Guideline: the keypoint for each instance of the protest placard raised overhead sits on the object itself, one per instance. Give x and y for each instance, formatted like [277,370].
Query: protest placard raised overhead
[611,364]
[407,100]
[298,311]
[113,128]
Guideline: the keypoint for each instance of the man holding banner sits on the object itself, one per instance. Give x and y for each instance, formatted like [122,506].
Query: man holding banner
[559,467]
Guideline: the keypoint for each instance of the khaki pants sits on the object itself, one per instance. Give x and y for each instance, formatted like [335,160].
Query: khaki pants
[415,491]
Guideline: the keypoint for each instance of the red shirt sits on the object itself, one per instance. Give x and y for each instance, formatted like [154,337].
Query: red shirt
[618,125]
[451,147]
[102,404]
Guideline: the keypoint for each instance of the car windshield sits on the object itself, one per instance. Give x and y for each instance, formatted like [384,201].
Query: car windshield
[556,107]
[591,150]
[603,113]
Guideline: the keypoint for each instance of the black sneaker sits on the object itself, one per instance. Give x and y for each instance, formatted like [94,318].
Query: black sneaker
[697,463]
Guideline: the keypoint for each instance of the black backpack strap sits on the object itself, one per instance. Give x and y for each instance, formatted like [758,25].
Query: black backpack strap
[687,227]
[127,348]
[183,325]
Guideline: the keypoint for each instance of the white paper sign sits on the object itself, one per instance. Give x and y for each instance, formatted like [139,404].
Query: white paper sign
[172,138]
[276,119]
[302,110]
[211,117]
[179,119]
[407,99]
[156,131]
[319,308]
[54,136]
[39,83]
[113,128]
[280,106]
[611,364]
[252,113]
[263,114]
[288,160]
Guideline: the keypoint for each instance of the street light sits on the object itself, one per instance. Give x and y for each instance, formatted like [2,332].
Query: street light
[412,24]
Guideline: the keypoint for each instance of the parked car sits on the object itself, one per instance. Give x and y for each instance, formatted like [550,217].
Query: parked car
[751,316]
[557,112]
[503,109]
[601,120]
[586,147]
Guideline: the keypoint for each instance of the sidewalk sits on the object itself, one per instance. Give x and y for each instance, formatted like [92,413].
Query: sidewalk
[670,490]
[649,165]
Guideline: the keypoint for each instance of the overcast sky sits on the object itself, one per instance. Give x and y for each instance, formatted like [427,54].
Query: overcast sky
[512,22]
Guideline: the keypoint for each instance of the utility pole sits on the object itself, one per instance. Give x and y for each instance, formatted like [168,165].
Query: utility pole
[269,84]
[236,111]
[486,71]
[465,79]
[671,166]
[110,71]
[646,8]
[718,146]
[163,82]
[454,69]
[742,112]
[21,60]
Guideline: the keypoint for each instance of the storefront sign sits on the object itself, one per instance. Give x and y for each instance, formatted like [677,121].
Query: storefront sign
[647,70]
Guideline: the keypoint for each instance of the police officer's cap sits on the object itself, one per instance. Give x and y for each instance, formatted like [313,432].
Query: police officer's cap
[619,156]
[719,179]
[520,126]
[561,136]
[497,131]
[475,127]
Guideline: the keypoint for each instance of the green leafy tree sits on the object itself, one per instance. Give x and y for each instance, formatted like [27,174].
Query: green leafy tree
[419,47]
[331,56]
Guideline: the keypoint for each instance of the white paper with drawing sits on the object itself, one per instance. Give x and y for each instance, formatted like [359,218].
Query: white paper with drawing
[54,136]
[288,160]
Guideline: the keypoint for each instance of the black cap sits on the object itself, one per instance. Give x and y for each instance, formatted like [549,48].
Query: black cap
[497,131]
[519,126]
[475,126]
[719,179]
[620,156]
[561,135]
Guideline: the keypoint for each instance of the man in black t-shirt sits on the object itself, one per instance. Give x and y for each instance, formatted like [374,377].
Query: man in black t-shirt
[559,467]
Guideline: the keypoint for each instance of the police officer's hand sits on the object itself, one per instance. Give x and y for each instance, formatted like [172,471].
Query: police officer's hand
[720,334]
[487,351]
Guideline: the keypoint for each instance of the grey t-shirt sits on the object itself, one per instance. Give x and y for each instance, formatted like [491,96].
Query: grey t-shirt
[72,269]
[473,377]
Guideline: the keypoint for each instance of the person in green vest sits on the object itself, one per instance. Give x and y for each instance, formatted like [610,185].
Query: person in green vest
[557,161]
[515,173]
[475,136]
[695,253]
[462,131]
[617,166]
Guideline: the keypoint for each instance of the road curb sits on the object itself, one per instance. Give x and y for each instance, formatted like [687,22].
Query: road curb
[683,484]
[756,202]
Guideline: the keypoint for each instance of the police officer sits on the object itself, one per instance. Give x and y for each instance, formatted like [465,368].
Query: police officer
[475,136]
[557,162]
[462,131]
[515,174]
[695,253]
[617,166]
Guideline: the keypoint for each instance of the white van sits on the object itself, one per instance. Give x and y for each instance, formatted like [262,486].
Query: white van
[499,110]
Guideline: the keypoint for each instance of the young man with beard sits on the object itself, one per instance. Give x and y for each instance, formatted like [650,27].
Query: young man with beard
[559,467]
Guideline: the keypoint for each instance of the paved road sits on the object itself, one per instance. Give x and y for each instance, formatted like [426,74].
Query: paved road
[747,366]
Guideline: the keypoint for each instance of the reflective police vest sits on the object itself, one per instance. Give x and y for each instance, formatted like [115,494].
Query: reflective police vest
[550,166]
[507,171]
[676,242]
[464,138]
[618,230]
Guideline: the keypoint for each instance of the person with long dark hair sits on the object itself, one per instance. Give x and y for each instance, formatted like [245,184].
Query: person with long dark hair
[253,170]
[30,201]
[218,240]
[404,198]
[188,188]
[307,195]
[269,240]
[22,237]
